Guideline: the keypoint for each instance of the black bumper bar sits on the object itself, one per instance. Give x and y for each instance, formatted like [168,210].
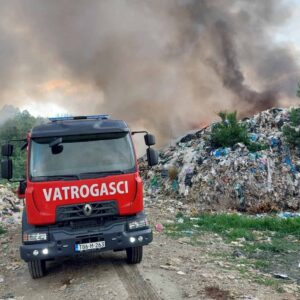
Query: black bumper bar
[62,241]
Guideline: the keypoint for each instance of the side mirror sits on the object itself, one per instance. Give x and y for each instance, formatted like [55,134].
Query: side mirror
[55,142]
[149,139]
[57,149]
[7,150]
[152,157]
[6,168]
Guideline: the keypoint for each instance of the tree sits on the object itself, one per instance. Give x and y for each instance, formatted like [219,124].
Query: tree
[291,131]
[229,132]
[17,128]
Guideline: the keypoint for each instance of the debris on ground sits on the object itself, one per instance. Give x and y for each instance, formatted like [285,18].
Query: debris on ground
[10,207]
[159,227]
[281,276]
[198,177]
[287,215]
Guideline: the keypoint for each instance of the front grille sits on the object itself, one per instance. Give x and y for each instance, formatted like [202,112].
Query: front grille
[90,222]
[75,211]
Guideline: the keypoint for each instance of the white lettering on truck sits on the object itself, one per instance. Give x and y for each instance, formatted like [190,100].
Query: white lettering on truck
[47,195]
[65,189]
[57,194]
[84,191]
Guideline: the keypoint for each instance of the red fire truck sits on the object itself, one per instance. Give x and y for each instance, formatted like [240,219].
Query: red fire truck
[82,192]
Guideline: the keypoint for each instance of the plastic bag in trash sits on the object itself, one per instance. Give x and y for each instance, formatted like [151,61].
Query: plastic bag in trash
[159,227]
[253,137]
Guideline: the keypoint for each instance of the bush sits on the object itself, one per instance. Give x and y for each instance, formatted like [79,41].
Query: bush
[1,229]
[295,117]
[291,131]
[229,131]
[256,146]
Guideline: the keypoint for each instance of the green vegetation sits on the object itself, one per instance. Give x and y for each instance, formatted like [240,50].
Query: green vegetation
[269,282]
[255,146]
[229,132]
[1,230]
[265,242]
[16,128]
[234,226]
[291,131]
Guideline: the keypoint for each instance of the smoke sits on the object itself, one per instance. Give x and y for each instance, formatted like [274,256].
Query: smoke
[167,66]
[230,73]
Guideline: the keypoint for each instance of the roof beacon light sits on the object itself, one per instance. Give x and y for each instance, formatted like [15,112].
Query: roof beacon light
[70,118]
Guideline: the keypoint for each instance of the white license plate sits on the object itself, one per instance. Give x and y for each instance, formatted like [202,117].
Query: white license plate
[90,246]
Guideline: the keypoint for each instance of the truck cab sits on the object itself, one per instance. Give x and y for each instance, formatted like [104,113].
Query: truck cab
[82,192]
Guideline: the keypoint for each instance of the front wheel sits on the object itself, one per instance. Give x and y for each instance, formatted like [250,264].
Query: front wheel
[134,254]
[37,268]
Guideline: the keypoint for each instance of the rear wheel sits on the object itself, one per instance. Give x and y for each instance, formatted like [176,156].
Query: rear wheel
[37,268]
[134,254]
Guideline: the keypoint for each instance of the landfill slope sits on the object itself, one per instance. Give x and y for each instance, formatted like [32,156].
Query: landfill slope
[201,178]
[10,207]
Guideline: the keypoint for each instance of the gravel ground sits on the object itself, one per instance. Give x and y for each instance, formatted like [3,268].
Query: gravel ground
[171,269]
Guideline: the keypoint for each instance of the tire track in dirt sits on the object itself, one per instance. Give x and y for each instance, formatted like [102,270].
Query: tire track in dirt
[135,284]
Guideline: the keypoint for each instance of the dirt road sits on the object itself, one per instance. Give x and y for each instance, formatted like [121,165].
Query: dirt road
[171,269]
[93,276]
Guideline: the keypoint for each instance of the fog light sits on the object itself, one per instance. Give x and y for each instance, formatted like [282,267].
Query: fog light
[132,239]
[45,251]
[140,238]
[35,252]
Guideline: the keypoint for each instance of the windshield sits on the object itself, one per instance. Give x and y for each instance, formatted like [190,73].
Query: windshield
[81,156]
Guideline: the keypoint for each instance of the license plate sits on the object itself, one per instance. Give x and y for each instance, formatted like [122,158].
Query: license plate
[90,246]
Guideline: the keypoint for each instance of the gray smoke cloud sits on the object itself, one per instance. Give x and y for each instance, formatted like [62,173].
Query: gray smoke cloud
[167,66]
[232,77]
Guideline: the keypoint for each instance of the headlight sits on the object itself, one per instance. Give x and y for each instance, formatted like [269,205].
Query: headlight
[138,224]
[35,237]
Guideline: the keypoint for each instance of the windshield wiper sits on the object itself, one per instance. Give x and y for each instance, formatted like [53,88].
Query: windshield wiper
[55,177]
[100,174]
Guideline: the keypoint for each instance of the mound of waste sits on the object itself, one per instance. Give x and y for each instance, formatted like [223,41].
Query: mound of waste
[192,172]
[10,206]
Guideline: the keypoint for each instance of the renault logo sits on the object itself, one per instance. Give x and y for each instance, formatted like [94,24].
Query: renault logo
[87,210]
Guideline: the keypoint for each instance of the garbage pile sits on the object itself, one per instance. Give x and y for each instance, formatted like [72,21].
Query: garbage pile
[193,173]
[10,207]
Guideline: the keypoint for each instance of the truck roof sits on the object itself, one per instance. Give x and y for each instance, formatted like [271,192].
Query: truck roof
[59,128]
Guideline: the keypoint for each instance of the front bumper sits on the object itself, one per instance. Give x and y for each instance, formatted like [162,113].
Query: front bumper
[62,240]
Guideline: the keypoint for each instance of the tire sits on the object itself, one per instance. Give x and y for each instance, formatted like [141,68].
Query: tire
[134,255]
[37,268]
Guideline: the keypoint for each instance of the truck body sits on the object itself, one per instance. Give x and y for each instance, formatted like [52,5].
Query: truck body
[83,191]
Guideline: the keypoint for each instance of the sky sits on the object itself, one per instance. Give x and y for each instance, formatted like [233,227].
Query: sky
[290,32]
